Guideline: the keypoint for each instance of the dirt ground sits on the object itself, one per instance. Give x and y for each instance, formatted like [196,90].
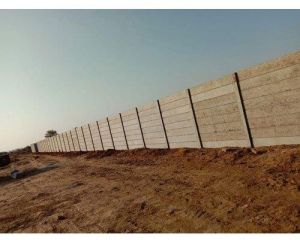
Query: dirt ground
[181,190]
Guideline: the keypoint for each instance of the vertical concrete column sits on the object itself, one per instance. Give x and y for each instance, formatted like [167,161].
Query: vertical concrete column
[124,131]
[78,139]
[163,124]
[100,135]
[83,138]
[72,141]
[242,109]
[194,117]
[140,125]
[91,136]
[110,133]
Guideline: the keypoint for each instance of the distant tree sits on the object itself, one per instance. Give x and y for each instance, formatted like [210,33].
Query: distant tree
[50,133]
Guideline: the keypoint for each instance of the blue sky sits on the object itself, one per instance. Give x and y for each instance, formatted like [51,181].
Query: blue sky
[63,68]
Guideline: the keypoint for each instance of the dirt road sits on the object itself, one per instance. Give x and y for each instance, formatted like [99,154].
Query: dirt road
[182,190]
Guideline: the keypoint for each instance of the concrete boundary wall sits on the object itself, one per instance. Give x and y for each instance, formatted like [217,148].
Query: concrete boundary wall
[81,138]
[257,106]
[152,126]
[218,113]
[104,130]
[88,138]
[179,121]
[132,129]
[96,137]
[117,132]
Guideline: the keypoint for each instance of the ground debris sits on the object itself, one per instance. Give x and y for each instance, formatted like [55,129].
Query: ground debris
[154,190]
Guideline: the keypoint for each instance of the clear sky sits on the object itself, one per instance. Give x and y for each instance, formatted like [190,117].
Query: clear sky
[64,68]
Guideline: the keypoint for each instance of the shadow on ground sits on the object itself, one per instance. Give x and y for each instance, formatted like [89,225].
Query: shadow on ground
[27,173]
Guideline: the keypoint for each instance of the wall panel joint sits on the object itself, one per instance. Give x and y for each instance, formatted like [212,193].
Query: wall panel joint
[78,140]
[242,108]
[124,131]
[83,138]
[163,124]
[100,135]
[112,140]
[91,137]
[140,125]
[194,117]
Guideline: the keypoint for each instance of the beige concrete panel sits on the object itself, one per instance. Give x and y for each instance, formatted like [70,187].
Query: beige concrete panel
[223,136]
[272,89]
[227,89]
[270,66]
[288,72]
[184,145]
[276,141]
[173,98]
[217,101]
[213,84]
[227,143]
[217,111]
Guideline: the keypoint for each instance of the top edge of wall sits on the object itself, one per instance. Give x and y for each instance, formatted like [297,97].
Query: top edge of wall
[128,112]
[270,65]
[257,69]
[211,84]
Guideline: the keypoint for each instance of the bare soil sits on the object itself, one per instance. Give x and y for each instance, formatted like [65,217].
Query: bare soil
[180,190]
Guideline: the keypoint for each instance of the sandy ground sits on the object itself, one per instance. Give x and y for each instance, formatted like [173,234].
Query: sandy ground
[182,190]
